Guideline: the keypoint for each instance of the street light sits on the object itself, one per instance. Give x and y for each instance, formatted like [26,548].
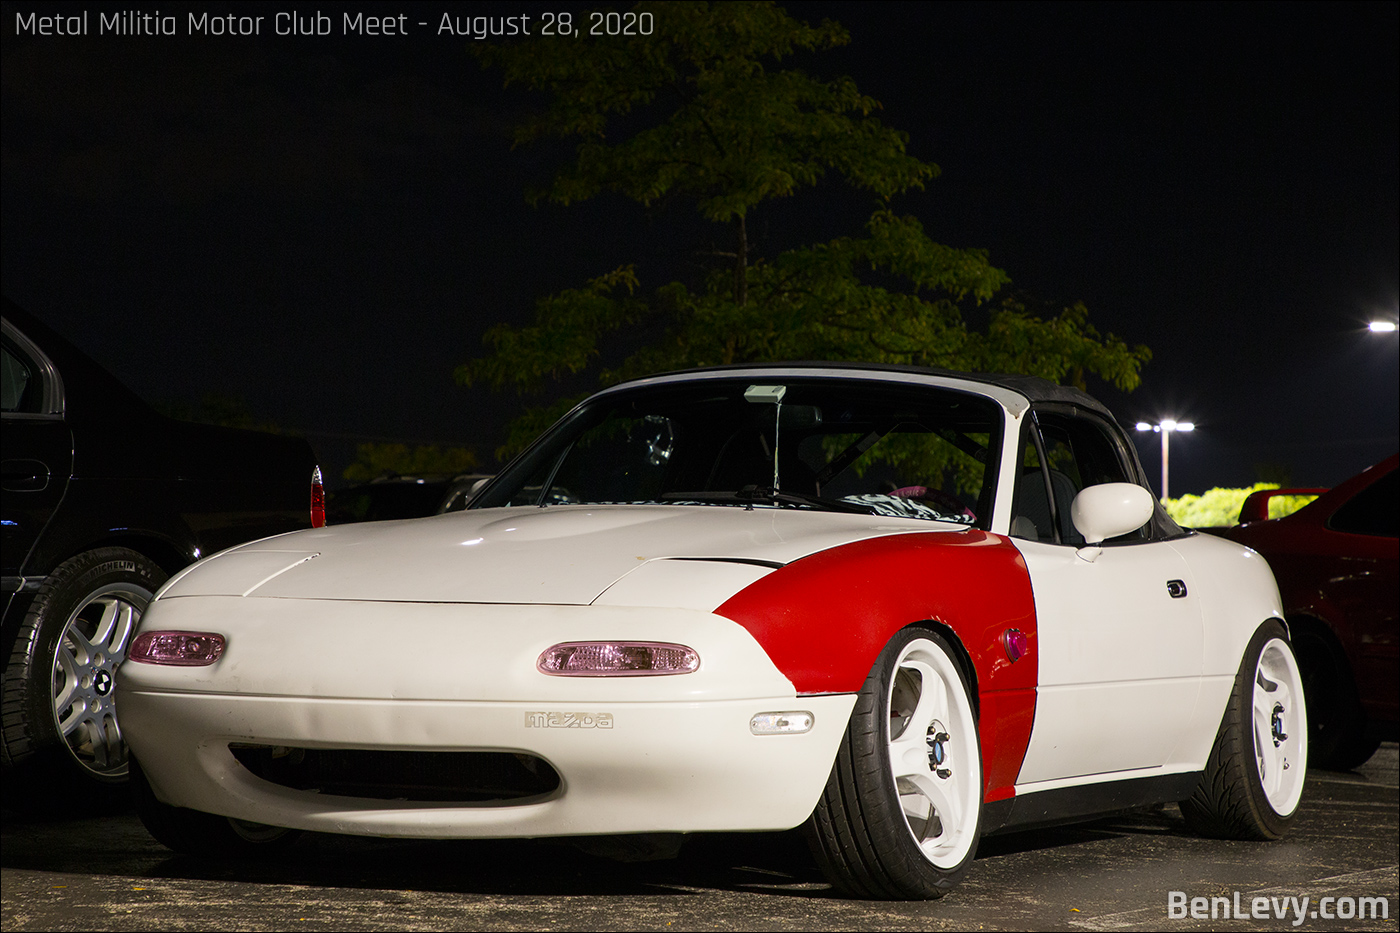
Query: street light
[1166,427]
[1381,327]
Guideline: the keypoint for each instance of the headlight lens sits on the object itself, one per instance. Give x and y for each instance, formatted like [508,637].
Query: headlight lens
[618,659]
[180,649]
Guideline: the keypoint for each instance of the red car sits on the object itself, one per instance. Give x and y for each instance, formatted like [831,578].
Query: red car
[1335,561]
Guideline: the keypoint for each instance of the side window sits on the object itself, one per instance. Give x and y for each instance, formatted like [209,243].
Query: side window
[1032,518]
[20,386]
[1374,510]
[1073,453]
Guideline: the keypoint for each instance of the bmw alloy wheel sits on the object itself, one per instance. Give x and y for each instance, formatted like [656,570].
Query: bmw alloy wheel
[94,642]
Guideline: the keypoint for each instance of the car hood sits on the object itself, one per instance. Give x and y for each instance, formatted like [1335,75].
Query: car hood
[560,555]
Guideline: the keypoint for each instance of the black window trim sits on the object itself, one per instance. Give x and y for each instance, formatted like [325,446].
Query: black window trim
[53,400]
[1033,428]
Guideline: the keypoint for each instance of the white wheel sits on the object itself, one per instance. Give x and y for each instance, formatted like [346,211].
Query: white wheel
[1280,726]
[933,753]
[1253,780]
[901,812]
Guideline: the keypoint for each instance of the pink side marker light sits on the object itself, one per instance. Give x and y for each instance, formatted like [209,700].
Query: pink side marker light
[1014,641]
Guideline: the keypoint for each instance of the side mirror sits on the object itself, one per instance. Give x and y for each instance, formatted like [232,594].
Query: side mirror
[1110,510]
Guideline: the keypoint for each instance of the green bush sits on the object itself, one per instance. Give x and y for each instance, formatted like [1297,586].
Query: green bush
[1220,507]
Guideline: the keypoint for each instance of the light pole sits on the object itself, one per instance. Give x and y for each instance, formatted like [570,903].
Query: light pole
[1166,427]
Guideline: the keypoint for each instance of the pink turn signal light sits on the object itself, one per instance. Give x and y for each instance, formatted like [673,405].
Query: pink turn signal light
[178,649]
[1014,641]
[617,659]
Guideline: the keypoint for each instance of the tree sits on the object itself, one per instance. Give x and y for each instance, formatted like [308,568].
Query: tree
[217,408]
[701,113]
[375,460]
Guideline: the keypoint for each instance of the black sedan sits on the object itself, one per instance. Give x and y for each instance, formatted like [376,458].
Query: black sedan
[104,499]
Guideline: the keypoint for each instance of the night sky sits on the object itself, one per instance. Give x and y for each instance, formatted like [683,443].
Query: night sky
[325,226]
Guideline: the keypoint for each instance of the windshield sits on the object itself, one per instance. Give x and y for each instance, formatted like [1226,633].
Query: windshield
[842,445]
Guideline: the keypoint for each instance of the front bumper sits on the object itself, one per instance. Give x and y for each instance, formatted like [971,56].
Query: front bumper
[680,767]
[634,754]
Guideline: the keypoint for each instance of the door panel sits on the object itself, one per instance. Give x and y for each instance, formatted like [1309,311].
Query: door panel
[37,461]
[1120,659]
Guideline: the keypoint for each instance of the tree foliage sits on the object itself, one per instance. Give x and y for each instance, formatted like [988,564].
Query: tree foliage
[228,411]
[718,125]
[375,460]
[703,114]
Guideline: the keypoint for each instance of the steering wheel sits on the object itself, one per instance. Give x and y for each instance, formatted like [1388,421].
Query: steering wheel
[944,502]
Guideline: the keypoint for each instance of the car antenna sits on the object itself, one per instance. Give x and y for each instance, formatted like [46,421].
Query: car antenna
[761,395]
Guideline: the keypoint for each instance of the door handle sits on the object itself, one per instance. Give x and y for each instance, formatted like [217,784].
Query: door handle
[24,475]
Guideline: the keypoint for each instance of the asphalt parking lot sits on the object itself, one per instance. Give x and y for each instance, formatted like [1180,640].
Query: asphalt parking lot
[65,867]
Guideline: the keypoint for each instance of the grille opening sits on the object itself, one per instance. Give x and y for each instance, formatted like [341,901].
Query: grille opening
[457,777]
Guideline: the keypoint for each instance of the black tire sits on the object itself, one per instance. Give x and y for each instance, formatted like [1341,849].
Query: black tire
[193,832]
[1253,780]
[901,812]
[59,712]
[1337,734]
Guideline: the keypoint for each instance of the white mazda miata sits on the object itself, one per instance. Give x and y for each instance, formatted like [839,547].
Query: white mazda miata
[907,608]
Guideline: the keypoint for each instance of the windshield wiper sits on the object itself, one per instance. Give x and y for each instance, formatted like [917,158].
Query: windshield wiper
[751,494]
